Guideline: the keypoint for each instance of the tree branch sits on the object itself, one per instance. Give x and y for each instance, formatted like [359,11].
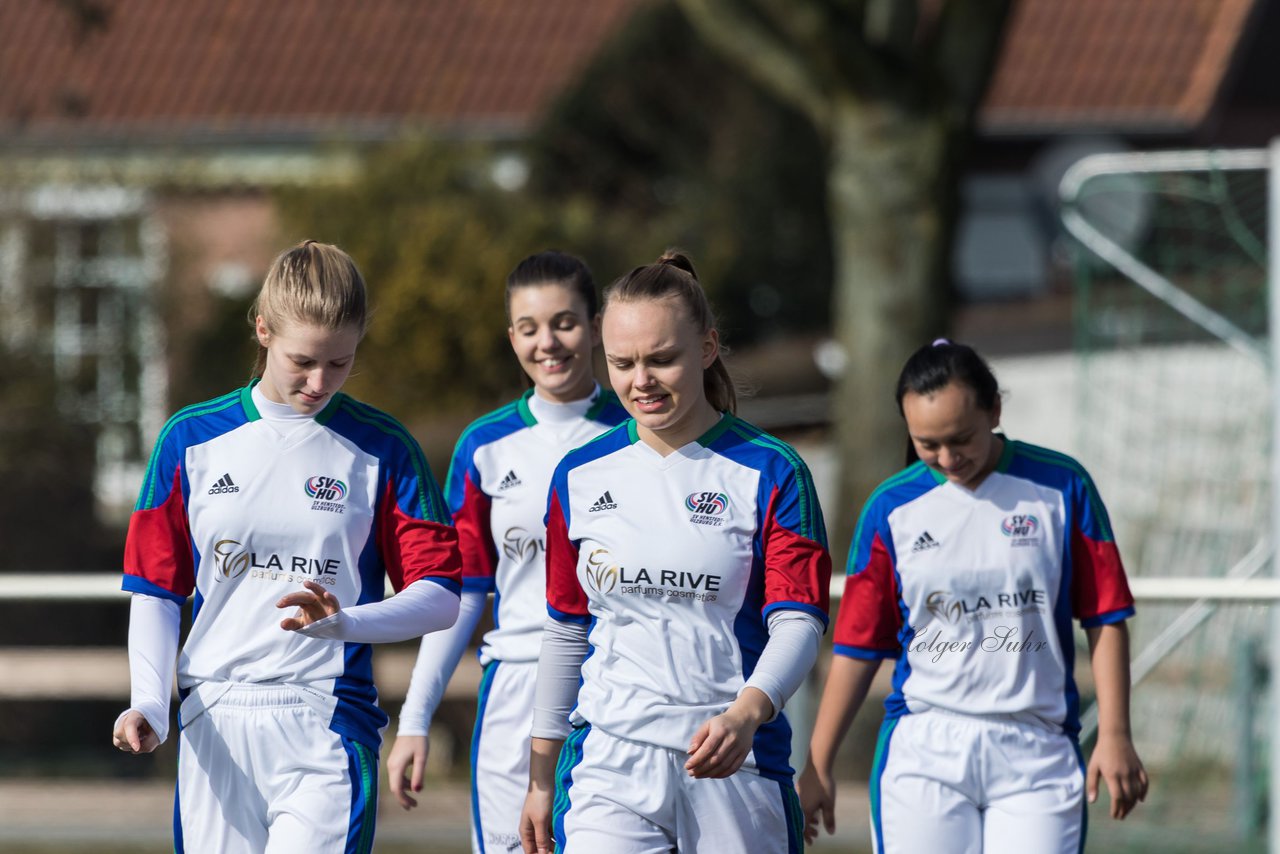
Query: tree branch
[782,69]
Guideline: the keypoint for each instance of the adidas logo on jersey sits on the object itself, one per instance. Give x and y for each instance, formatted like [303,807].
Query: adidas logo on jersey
[223,486]
[923,542]
[510,480]
[604,502]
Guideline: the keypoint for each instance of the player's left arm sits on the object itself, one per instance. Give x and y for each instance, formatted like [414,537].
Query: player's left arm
[1101,600]
[1114,758]
[797,578]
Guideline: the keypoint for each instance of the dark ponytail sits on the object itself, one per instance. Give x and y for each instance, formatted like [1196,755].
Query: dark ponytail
[673,276]
[935,366]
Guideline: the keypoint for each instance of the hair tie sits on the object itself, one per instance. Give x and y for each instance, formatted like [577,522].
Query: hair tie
[938,342]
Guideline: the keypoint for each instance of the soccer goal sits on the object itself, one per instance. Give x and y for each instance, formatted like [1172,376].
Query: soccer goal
[1177,414]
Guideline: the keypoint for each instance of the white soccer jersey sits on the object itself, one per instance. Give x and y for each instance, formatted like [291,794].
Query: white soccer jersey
[675,563]
[239,514]
[974,591]
[497,493]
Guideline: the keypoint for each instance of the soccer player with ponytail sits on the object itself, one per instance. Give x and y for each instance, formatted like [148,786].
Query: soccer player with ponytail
[497,494]
[284,494]
[687,579]
[968,567]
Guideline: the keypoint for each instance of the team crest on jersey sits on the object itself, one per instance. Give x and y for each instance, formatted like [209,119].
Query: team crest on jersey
[228,562]
[1022,529]
[327,493]
[518,544]
[707,507]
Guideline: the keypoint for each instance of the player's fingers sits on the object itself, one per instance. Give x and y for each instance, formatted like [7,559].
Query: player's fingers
[131,735]
[829,815]
[701,748]
[1091,782]
[542,836]
[1118,785]
[419,769]
[699,737]
[327,600]
[1143,783]
[299,599]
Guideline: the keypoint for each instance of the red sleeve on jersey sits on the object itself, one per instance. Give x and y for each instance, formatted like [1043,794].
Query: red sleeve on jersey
[869,619]
[475,540]
[157,548]
[416,548]
[1098,584]
[566,600]
[797,570]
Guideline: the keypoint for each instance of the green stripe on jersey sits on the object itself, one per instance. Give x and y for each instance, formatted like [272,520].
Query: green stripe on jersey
[522,407]
[496,415]
[909,473]
[1053,458]
[218,404]
[804,480]
[428,506]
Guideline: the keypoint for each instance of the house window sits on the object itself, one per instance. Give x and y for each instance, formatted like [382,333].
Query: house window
[79,269]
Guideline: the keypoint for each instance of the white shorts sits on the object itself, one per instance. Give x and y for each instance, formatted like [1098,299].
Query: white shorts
[620,797]
[949,782]
[500,755]
[260,771]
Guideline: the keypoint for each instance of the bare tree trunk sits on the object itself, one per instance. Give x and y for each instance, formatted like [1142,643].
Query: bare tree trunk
[887,187]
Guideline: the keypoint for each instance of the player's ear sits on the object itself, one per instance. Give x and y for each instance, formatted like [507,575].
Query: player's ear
[263,333]
[710,347]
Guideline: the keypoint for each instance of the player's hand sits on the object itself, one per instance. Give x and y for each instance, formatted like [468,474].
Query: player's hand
[720,745]
[314,603]
[1115,760]
[405,764]
[133,734]
[535,822]
[817,793]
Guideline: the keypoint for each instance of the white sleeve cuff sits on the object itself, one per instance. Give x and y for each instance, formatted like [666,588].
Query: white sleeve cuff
[788,656]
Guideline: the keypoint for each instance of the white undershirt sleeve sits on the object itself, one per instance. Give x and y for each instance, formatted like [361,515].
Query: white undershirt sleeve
[564,647]
[438,657]
[154,626]
[787,657]
[424,606]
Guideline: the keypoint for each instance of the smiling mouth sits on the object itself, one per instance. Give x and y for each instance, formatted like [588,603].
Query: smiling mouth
[554,362]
